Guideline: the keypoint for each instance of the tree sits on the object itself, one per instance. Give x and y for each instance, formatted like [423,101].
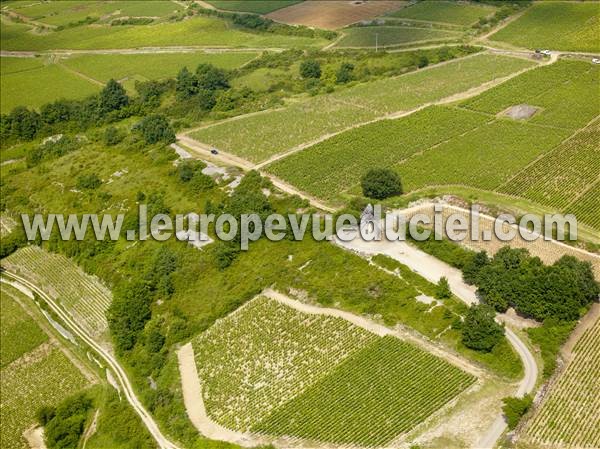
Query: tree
[211,78]
[128,313]
[515,408]
[155,128]
[201,182]
[473,267]
[112,97]
[345,73]
[443,289]
[310,68]
[480,330]
[88,182]
[112,136]
[225,253]
[24,124]
[186,84]
[381,183]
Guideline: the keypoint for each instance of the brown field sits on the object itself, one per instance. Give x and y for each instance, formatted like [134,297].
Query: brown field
[333,14]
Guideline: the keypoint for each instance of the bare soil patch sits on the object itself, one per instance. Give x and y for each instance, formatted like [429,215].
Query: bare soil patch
[333,14]
[520,111]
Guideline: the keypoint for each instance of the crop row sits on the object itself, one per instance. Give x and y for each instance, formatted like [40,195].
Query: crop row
[83,296]
[570,416]
[563,174]
[264,354]
[587,207]
[370,398]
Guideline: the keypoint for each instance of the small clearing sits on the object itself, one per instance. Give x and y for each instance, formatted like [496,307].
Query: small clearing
[520,111]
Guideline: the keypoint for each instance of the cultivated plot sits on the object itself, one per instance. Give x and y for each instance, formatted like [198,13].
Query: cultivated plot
[255,6]
[293,373]
[456,13]
[569,416]
[257,137]
[82,295]
[555,25]
[390,36]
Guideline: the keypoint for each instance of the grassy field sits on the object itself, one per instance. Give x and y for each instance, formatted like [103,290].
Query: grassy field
[569,416]
[81,295]
[384,390]
[28,82]
[259,136]
[555,25]
[295,350]
[43,375]
[279,390]
[463,14]
[389,36]
[198,31]
[65,12]
[150,66]
[255,6]
[561,91]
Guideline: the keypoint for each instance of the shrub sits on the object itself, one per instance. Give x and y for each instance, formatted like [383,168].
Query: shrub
[345,73]
[443,289]
[515,408]
[155,128]
[88,182]
[310,68]
[480,330]
[381,183]
[112,136]
[112,97]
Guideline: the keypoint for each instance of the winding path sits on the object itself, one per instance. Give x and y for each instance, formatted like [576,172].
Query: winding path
[25,285]
[433,269]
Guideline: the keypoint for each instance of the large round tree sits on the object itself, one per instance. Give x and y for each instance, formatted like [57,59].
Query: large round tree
[381,183]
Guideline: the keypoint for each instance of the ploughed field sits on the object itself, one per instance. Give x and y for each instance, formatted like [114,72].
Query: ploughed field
[273,369]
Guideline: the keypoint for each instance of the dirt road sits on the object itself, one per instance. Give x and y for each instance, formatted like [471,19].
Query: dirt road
[113,364]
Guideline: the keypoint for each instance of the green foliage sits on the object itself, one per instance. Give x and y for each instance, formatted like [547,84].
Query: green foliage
[225,254]
[550,337]
[128,313]
[471,269]
[186,84]
[88,182]
[559,291]
[112,136]
[65,428]
[443,289]
[44,414]
[52,148]
[310,68]
[113,97]
[480,331]
[381,183]
[155,128]
[515,408]
[345,73]
[211,78]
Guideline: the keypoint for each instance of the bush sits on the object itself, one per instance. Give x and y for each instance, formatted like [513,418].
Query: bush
[88,182]
[112,136]
[225,253]
[480,330]
[345,73]
[515,408]
[443,289]
[155,128]
[310,68]
[64,429]
[381,183]
[112,97]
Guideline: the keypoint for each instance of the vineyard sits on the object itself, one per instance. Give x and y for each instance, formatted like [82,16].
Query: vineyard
[556,25]
[587,207]
[389,36]
[373,396]
[257,137]
[563,174]
[83,296]
[463,14]
[269,368]
[569,417]
[39,373]
[561,90]
[19,333]
[383,143]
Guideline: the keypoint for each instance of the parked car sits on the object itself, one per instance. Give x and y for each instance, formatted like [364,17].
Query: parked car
[214,151]
[546,52]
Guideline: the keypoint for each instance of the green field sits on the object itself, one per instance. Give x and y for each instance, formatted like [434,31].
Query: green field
[380,144]
[83,296]
[556,26]
[27,82]
[561,91]
[259,136]
[280,389]
[197,31]
[19,332]
[42,375]
[562,175]
[389,36]
[587,207]
[255,6]
[463,14]
[384,390]
[295,350]
[150,66]
[64,12]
